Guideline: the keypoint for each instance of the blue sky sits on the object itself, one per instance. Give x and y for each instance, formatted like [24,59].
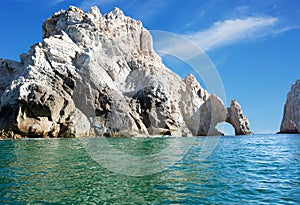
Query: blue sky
[255,45]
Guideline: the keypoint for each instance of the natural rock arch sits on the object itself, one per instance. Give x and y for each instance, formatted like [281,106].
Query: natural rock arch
[213,111]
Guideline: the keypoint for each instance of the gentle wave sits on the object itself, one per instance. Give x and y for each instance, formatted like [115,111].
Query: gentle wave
[260,169]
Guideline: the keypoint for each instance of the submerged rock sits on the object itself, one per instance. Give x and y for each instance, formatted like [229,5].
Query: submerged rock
[291,115]
[97,75]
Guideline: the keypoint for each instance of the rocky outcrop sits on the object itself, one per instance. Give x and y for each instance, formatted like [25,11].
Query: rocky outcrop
[212,112]
[97,75]
[291,115]
[195,96]
[238,120]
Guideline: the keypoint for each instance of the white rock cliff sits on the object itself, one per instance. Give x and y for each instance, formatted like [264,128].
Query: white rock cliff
[291,115]
[97,75]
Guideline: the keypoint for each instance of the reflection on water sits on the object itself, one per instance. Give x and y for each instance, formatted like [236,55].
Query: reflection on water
[253,170]
[137,157]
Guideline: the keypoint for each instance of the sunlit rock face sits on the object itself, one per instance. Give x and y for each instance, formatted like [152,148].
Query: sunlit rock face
[238,120]
[291,115]
[97,75]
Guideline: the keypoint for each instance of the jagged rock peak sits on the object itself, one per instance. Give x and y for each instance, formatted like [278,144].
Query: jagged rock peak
[116,13]
[195,88]
[87,29]
[95,12]
[74,8]
[291,115]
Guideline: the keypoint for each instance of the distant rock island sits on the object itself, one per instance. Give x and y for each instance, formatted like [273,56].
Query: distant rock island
[291,115]
[98,75]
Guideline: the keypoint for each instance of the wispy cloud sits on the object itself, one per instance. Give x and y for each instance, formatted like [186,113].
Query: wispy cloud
[232,31]
[47,4]
[221,33]
[149,9]
[56,2]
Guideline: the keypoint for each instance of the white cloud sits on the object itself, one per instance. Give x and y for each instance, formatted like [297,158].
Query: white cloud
[220,34]
[57,2]
[232,31]
[149,9]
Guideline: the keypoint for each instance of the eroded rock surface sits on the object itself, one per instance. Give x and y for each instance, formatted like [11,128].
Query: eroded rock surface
[212,112]
[291,115]
[97,75]
[237,119]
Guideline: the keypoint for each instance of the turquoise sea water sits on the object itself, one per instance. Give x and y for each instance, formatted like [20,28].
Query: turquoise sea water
[258,169]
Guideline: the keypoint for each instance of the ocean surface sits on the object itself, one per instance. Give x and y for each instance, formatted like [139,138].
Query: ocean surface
[257,169]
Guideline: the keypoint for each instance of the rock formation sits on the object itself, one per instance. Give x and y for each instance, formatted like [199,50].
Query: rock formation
[291,115]
[97,75]
[238,120]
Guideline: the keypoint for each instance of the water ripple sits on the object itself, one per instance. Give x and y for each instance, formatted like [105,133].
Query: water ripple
[262,169]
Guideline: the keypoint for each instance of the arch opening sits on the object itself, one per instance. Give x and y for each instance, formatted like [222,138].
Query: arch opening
[226,128]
